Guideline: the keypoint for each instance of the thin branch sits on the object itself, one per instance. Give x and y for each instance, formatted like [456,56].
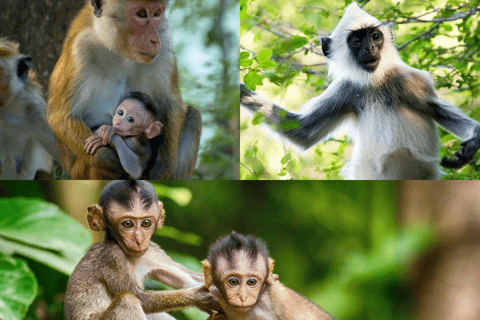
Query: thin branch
[405,44]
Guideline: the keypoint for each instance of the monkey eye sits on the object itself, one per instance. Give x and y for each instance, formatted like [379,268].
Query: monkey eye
[157,13]
[120,112]
[356,40]
[147,223]
[376,36]
[233,282]
[128,224]
[142,14]
[130,119]
[252,282]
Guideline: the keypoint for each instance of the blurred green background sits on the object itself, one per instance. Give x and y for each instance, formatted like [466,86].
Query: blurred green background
[347,246]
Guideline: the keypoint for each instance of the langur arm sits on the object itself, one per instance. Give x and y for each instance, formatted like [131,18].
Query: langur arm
[455,121]
[305,130]
[130,161]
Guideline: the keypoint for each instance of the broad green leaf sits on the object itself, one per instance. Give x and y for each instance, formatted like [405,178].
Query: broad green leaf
[40,231]
[285,158]
[182,196]
[245,63]
[264,55]
[257,119]
[268,64]
[18,288]
[252,79]
[244,55]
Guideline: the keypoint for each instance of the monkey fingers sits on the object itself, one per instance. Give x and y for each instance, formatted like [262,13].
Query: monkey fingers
[106,132]
[206,301]
[93,143]
[461,158]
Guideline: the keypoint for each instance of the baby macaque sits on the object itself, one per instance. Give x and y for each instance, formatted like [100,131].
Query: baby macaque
[107,284]
[239,273]
[133,125]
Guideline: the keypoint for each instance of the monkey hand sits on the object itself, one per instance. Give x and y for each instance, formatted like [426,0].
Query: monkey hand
[93,143]
[106,132]
[469,148]
[205,300]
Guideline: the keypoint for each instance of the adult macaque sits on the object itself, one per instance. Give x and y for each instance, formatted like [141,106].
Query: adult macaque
[114,47]
[108,282]
[27,146]
[239,273]
[133,125]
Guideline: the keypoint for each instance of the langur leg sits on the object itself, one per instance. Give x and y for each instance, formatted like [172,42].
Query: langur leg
[403,165]
[188,145]
[124,306]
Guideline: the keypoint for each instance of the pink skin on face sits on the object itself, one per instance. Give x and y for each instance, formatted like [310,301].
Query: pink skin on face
[131,118]
[145,19]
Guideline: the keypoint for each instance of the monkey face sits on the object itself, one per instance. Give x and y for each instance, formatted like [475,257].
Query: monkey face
[131,118]
[243,283]
[133,228]
[144,20]
[365,46]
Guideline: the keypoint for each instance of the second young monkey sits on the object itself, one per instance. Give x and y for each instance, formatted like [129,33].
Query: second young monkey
[133,125]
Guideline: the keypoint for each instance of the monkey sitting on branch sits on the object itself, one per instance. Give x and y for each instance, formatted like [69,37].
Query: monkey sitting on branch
[133,125]
[393,106]
[108,282]
[239,273]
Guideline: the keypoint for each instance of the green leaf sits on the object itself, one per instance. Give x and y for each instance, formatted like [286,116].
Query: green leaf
[40,231]
[181,196]
[18,288]
[257,119]
[285,158]
[264,55]
[295,43]
[268,64]
[244,55]
[252,79]
[246,63]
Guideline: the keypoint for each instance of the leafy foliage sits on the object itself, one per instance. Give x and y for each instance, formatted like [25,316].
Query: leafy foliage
[18,288]
[439,37]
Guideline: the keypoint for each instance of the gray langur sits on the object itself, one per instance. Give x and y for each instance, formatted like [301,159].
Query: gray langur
[392,105]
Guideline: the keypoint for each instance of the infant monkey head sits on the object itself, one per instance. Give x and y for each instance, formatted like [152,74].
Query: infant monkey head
[240,267]
[137,114]
[129,212]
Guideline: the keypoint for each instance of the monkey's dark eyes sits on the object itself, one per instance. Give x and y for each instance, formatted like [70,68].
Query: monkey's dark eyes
[251,282]
[147,223]
[127,224]
[233,282]
[376,36]
[157,13]
[130,119]
[120,112]
[142,14]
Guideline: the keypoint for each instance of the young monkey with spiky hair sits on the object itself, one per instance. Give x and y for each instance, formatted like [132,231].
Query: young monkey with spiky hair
[239,273]
[393,106]
[108,282]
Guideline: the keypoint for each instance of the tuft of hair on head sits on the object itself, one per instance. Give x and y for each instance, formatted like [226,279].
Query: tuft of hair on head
[124,192]
[147,102]
[228,246]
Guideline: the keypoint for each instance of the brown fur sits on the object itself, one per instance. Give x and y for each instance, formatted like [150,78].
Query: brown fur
[108,282]
[71,131]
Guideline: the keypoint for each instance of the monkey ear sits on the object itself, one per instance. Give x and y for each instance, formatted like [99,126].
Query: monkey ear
[326,46]
[97,7]
[161,218]
[153,129]
[207,273]
[270,276]
[96,218]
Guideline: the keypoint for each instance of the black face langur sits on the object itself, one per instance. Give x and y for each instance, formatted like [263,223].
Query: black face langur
[133,125]
[27,146]
[108,282]
[239,273]
[394,107]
